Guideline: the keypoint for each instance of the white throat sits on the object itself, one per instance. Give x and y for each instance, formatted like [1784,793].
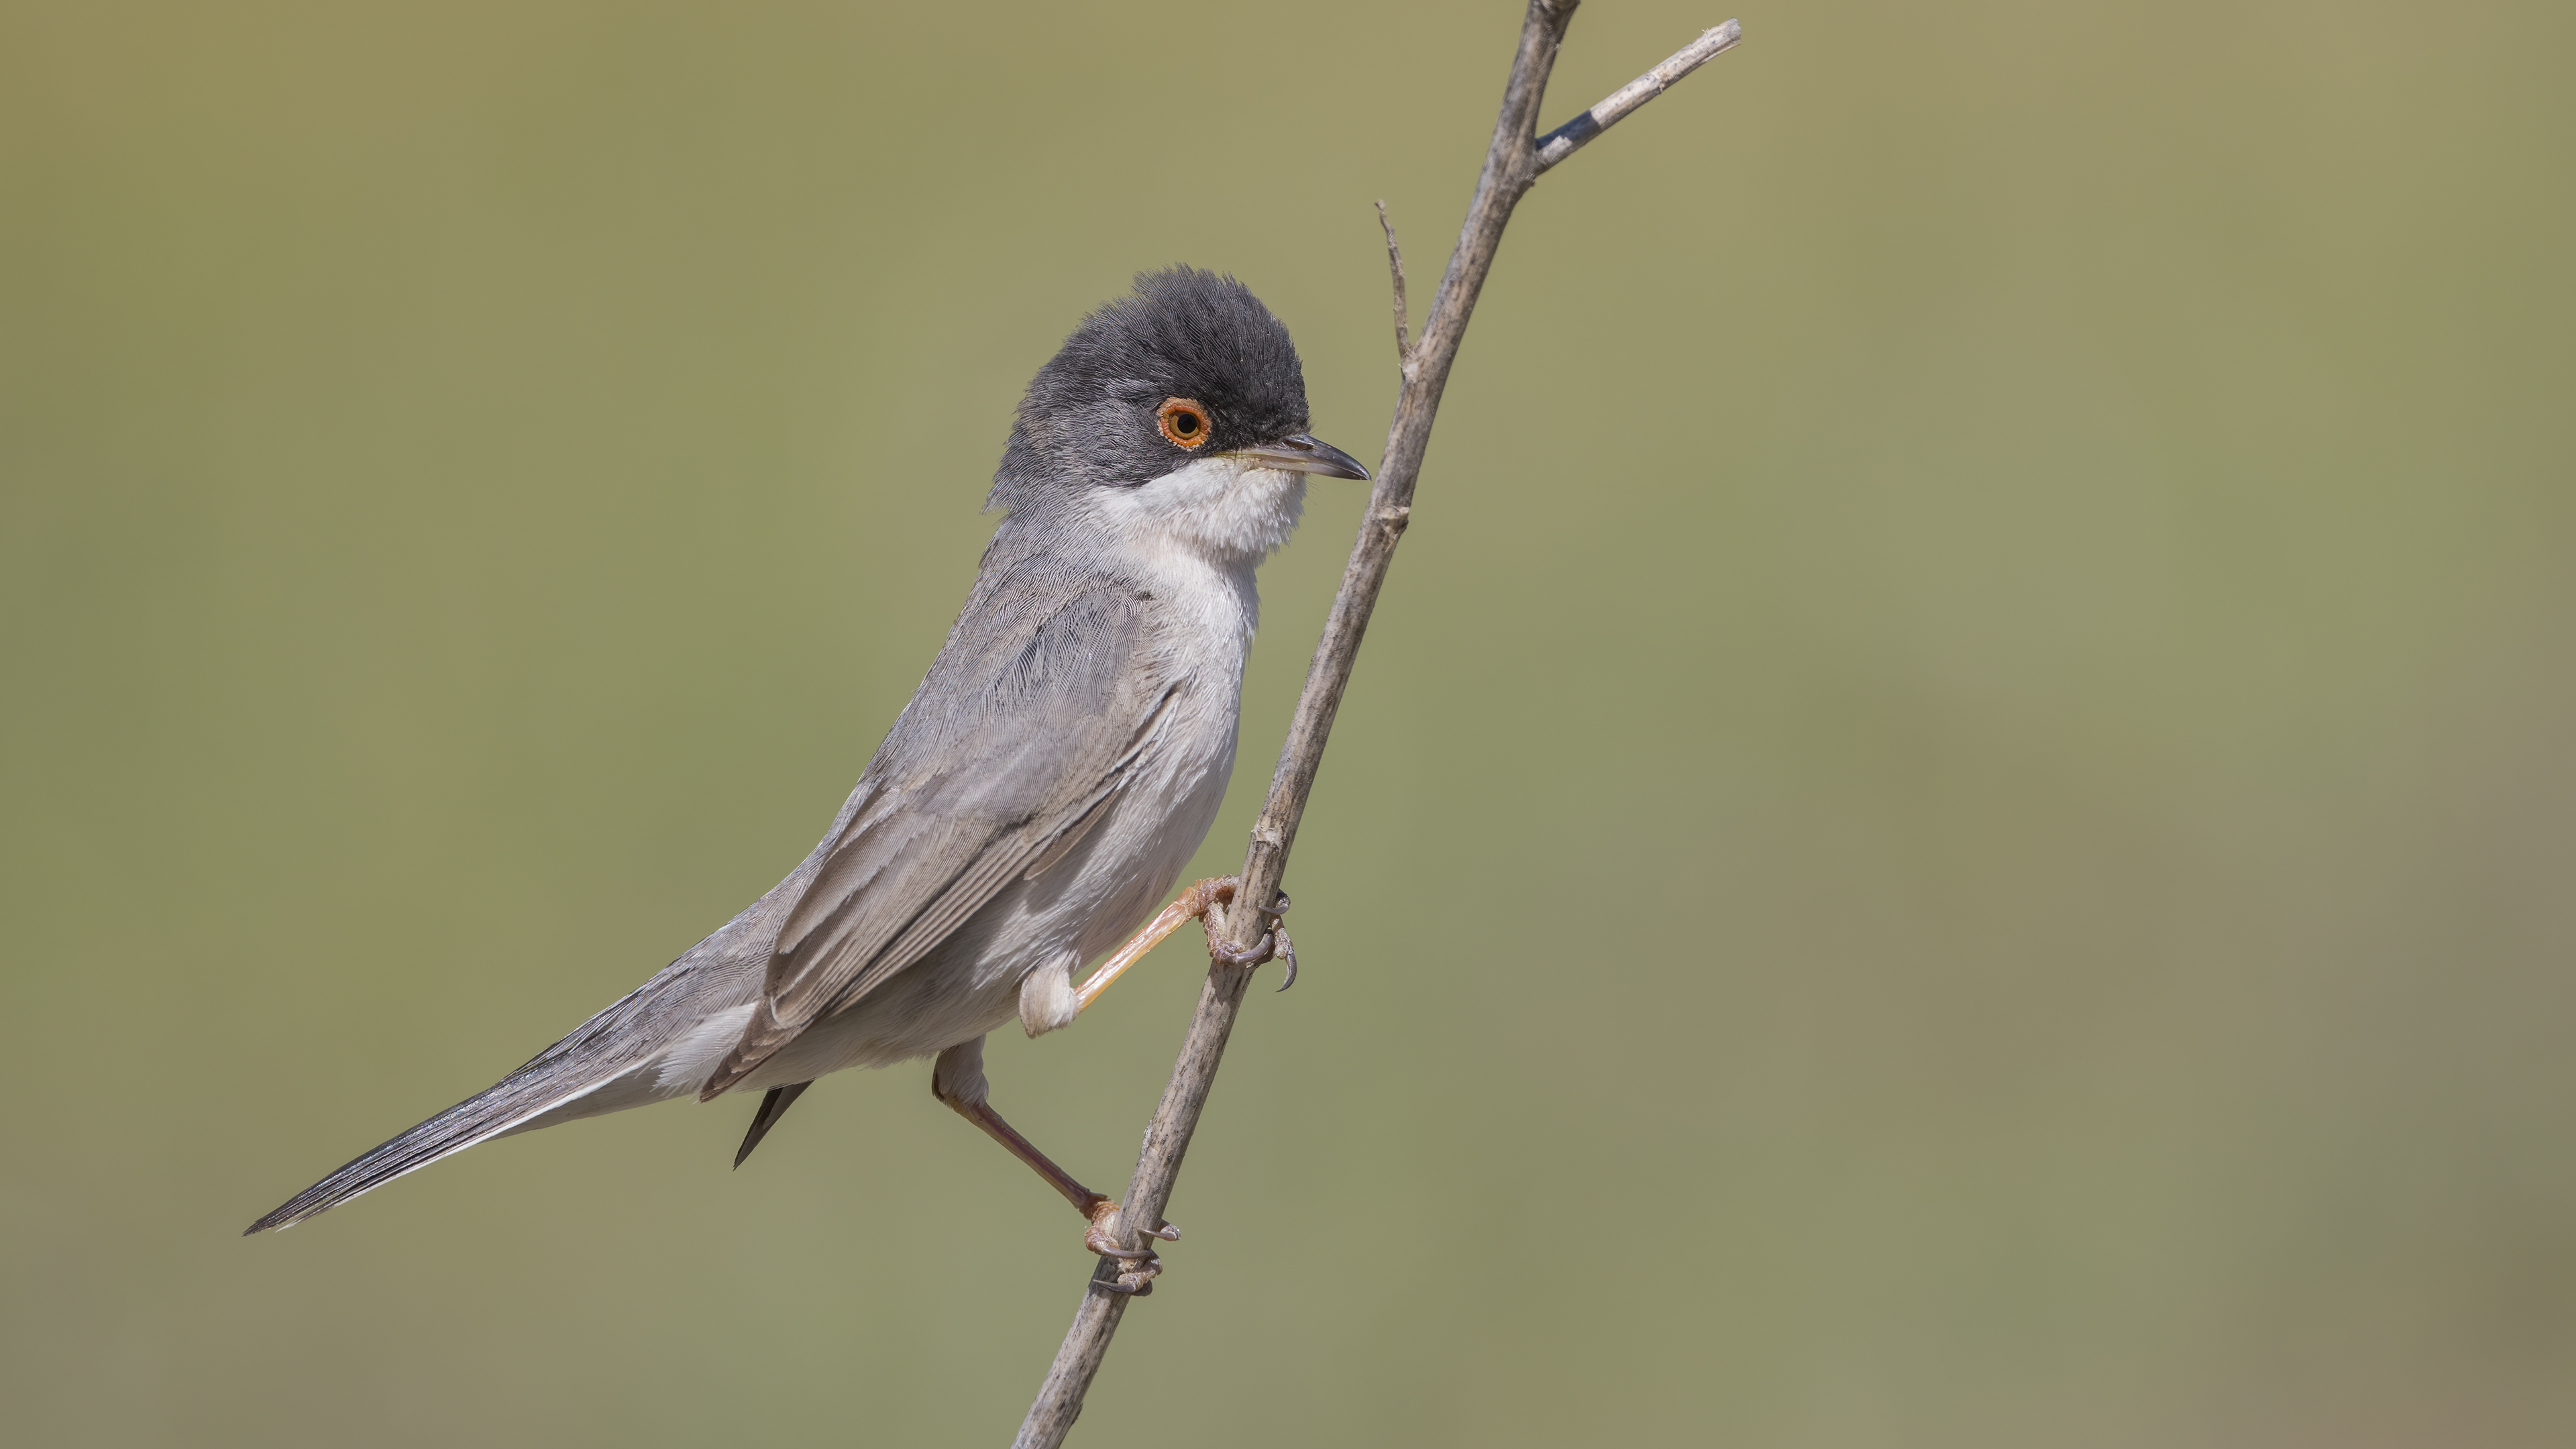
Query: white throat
[1224,511]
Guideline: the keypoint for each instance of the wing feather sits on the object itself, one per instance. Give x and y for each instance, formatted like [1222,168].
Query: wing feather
[1007,750]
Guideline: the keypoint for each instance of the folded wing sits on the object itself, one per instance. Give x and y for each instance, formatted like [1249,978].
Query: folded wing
[1023,730]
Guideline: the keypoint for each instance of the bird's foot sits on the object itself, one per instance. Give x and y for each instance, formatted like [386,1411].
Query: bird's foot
[1138,1267]
[1274,944]
[1193,905]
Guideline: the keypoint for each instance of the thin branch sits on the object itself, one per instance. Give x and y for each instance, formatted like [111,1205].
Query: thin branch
[1512,163]
[1569,138]
[1395,268]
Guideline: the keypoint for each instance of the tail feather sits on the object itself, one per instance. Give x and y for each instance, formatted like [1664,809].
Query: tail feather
[611,1062]
[772,1107]
[479,1118]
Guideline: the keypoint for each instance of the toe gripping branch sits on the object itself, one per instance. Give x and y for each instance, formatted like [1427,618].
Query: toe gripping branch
[1193,904]
[1137,1267]
[1274,943]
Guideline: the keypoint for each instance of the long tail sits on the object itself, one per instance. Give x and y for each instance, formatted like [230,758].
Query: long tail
[517,1101]
[693,1008]
[611,1062]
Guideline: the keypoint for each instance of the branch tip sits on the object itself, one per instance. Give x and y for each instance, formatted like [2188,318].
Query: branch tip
[1569,138]
[1395,268]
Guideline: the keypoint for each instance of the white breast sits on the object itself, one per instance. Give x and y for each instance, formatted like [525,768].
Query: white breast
[1193,537]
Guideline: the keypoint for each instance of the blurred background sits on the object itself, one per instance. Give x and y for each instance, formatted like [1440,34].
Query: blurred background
[1956,828]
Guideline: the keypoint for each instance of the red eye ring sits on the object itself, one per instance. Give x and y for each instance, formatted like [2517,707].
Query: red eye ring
[1184,421]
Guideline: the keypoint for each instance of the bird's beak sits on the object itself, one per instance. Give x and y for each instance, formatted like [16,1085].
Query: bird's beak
[1299,453]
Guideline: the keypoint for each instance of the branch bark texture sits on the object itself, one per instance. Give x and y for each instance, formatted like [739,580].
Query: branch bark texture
[1513,162]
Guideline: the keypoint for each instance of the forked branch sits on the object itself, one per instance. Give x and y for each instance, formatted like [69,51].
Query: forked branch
[1513,161]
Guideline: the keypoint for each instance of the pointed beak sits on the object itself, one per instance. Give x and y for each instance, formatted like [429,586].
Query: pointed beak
[1299,453]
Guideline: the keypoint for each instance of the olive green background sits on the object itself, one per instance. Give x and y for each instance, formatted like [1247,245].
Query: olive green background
[1956,828]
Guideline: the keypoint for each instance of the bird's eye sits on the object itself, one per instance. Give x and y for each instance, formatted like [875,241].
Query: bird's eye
[1184,421]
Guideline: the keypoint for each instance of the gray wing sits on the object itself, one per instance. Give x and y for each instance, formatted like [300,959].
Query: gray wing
[1023,732]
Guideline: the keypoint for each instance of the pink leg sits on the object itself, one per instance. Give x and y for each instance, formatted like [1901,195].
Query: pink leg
[958,1080]
[1189,905]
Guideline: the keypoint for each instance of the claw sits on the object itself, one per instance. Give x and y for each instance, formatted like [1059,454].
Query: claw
[1287,953]
[1252,955]
[1094,1239]
[1137,1267]
[1166,1233]
[1133,1283]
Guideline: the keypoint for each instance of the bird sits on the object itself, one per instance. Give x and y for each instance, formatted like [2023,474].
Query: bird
[1052,775]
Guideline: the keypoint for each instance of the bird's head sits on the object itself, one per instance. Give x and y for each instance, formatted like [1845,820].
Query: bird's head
[1178,410]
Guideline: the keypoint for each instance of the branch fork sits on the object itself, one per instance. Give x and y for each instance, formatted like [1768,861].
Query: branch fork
[1514,160]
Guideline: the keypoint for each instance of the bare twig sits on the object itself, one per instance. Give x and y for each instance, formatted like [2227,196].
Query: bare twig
[1395,270]
[1569,138]
[1512,162]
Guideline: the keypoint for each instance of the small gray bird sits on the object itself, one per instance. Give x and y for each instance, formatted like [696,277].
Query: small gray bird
[1055,770]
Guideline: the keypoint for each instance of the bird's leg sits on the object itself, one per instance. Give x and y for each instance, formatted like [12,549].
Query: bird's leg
[1192,905]
[957,1079]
